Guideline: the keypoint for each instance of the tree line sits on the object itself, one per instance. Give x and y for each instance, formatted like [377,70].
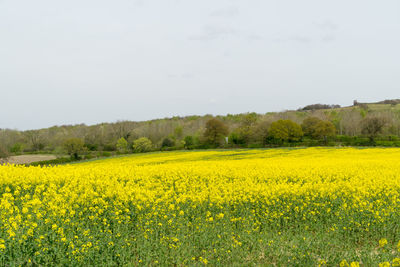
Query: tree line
[352,126]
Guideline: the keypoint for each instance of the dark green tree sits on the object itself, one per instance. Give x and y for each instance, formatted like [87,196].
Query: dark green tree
[188,142]
[167,142]
[309,124]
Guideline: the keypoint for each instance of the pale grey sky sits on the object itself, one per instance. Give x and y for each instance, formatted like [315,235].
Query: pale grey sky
[91,61]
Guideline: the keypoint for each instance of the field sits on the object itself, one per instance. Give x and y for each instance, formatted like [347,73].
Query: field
[26,159]
[276,207]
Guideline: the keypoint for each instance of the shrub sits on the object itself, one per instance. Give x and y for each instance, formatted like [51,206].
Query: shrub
[167,142]
[122,145]
[142,144]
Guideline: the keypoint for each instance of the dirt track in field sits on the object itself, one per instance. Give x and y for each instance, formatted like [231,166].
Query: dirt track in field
[25,159]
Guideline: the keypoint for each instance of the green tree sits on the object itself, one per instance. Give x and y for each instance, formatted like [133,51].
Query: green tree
[244,134]
[178,131]
[188,142]
[373,126]
[122,145]
[324,130]
[215,132]
[74,147]
[17,148]
[143,144]
[309,124]
[167,142]
[285,130]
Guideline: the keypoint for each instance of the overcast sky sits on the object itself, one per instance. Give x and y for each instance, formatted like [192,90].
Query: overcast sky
[84,61]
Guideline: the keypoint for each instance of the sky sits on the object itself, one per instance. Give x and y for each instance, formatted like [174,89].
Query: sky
[92,61]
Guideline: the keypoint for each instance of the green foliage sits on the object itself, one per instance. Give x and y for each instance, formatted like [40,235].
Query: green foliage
[189,142]
[286,130]
[52,162]
[122,145]
[236,138]
[324,129]
[74,147]
[142,144]
[17,148]
[245,132]
[309,124]
[215,132]
[167,142]
[178,131]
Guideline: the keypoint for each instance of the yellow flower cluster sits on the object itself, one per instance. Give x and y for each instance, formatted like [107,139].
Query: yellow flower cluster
[192,204]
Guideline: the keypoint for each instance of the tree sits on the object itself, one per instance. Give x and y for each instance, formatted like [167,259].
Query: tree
[74,147]
[318,129]
[178,131]
[167,142]
[285,130]
[215,132]
[244,134]
[189,142]
[17,148]
[261,131]
[323,130]
[3,154]
[36,138]
[122,145]
[309,124]
[373,126]
[142,144]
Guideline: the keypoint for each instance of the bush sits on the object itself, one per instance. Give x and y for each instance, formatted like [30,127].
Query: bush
[17,148]
[105,154]
[167,143]
[189,142]
[122,145]
[51,162]
[142,144]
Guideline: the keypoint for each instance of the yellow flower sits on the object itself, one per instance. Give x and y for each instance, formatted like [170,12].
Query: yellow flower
[383,242]
[396,262]
[344,263]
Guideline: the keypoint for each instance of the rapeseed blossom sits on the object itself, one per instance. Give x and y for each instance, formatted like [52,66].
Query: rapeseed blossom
[208,207]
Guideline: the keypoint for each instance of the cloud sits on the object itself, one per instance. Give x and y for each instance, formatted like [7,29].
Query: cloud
[213,32]
[227,12]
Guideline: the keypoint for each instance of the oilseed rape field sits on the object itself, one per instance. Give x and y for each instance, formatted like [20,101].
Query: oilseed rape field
[272,207]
